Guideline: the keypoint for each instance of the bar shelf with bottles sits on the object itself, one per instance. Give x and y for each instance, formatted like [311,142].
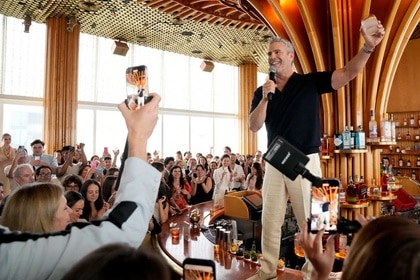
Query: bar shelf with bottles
[405,154]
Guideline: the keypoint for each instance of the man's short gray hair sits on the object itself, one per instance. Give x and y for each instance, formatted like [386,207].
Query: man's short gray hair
[20,167]
[285,42]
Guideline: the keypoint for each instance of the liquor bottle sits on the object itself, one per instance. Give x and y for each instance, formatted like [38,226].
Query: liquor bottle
[393,131]
[360,139]
[417,137]
[325,145]
[418,119]
[408,163]
[351,191]
[418,161]
[400,162]
[408,136]
[413,175]
[405,121]
[411,119]
[384,180]
[362,190]
[373,127]
[399,136]
[341,193]
[385,129]
[397,149]
[338,141]
[352,137]
[346,138]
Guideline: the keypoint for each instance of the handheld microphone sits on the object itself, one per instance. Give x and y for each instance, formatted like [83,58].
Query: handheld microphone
[272,77]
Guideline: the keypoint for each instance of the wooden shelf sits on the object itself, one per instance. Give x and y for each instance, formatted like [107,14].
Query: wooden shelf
[350,151]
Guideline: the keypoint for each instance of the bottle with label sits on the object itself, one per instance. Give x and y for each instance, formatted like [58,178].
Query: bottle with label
[418,161]
[351,192]
[408,163]
[397,149]
[411,119]
[405,121]
[352,137]
[385,129]
[384,180]
[325,145]
[362,190]
[393,131]
[338,141]
[346,138]
[400,162]
[360,139]
[373,127]
[413,175]
[408,136]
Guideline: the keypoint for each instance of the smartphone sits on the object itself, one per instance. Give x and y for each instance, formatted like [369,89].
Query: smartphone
[325,208]
[137,82]
[198,269]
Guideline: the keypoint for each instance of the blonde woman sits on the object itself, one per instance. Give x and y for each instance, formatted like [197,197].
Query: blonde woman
[7,153]
[37,208]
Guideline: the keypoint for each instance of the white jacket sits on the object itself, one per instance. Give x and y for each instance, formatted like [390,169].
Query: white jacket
[50,256]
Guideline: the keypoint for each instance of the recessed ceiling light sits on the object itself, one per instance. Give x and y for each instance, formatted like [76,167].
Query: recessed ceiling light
[196,51]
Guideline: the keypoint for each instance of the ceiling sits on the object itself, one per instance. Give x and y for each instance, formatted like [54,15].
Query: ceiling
[221,31]
[225,31]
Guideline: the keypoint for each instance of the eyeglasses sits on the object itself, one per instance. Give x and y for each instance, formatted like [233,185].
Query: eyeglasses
[72,186]
[45,174]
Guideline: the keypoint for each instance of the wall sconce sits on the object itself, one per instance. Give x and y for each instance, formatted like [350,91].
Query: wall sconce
[27,21]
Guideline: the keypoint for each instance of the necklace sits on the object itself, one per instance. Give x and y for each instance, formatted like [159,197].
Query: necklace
[6,151]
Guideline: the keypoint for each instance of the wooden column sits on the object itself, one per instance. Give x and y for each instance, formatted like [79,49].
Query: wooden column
[247,85]
[60,96]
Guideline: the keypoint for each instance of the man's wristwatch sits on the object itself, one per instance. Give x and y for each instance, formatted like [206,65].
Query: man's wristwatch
[368,50]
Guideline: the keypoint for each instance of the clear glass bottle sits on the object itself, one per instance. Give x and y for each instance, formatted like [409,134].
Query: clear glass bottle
[385,129]
[346,138]
[373,127]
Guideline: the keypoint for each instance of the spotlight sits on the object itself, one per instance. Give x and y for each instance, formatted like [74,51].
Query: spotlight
[27,21]
[120,48]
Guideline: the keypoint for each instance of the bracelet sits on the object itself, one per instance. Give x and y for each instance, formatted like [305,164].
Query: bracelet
[368,50]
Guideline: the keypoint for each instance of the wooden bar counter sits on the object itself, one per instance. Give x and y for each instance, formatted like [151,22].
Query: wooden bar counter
[228,266]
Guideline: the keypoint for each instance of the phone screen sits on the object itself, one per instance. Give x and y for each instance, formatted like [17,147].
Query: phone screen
[325,208]
[198,269]
[137,86]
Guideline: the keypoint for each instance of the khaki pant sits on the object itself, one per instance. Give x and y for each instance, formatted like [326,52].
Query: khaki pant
[276,190]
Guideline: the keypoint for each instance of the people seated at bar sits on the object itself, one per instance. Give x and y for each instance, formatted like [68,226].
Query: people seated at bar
[254,180]
[76,202]
[202,186]
[181,189]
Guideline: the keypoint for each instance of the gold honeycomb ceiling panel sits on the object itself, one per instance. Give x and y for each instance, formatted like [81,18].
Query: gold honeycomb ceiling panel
[221,31]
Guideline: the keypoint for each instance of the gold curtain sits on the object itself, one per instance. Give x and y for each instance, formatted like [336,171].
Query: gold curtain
[60,96]
[247,85]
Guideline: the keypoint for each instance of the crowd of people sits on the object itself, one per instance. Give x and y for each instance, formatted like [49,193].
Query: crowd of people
[90,185]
